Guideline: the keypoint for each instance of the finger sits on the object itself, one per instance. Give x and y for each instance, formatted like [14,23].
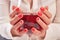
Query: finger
[15,12]
[23,32]
[38,33]
[17,33]
[35,31]
[44,18]
[19,24]
[15,29]
[13,7]
[46,7]
[41,23]
[16,19]
[46,12]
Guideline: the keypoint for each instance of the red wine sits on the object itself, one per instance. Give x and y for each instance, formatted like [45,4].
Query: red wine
[30,21]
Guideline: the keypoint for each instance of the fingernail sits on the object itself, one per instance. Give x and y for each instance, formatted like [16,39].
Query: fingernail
[17,9]
[20,15]
[40,13]
[25,30]
[33,29]
[37,18]
[42,9]
[21,21]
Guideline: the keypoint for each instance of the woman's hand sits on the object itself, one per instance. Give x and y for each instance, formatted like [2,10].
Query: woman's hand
[16,22]
[43,20]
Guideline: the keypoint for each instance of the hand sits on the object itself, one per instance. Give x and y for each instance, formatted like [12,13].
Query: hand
[16,22]
[43,20]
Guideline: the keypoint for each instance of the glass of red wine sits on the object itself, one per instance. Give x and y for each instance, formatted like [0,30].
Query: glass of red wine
[30,21]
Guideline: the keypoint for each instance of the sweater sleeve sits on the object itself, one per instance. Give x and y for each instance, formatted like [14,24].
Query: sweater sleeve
[5,26]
